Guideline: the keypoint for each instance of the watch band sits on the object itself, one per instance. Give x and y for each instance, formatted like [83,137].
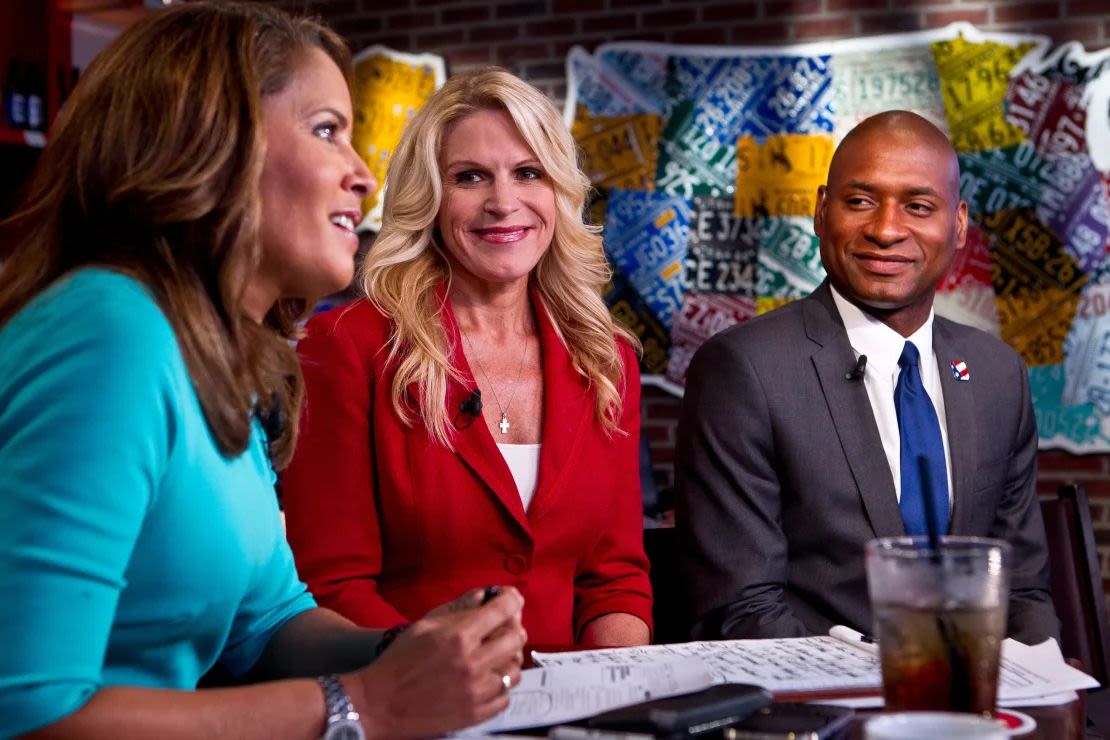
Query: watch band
[343,720]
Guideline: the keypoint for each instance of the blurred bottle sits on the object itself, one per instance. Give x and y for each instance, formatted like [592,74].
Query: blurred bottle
[35,89]
[15,97]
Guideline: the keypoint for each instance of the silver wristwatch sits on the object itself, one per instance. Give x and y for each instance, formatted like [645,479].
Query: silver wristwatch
[343,721]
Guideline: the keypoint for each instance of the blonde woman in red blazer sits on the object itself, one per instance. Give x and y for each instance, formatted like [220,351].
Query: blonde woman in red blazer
[476,420]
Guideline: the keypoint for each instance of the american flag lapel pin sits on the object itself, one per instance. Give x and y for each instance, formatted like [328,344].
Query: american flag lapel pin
[960,371]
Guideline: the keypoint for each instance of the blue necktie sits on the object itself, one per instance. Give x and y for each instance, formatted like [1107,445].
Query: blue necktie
[920,432]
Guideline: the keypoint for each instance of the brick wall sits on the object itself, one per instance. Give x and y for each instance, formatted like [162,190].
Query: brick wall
[532,37]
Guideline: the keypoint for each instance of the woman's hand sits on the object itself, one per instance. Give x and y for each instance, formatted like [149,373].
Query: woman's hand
[446,671]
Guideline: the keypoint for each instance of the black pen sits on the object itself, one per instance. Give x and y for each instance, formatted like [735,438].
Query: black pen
[490,593]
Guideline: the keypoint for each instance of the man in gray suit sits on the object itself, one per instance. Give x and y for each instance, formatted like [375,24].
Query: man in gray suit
[790,452]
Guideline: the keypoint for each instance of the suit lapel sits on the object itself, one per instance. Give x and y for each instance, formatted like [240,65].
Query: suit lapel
[473,443]
[567,404]
[851,413]
[959,408]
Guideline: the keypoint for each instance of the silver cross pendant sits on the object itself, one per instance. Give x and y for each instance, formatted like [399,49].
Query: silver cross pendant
[504,423]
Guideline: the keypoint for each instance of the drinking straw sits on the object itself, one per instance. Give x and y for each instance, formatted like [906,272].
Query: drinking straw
[960,685]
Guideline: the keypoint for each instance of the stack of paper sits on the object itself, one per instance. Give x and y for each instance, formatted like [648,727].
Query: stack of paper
[574,685]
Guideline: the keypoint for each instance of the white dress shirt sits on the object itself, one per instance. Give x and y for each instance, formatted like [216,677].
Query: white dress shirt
[883,346]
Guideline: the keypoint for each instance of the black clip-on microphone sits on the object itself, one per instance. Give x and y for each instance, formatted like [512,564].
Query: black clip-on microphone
[856,373]
[472,406]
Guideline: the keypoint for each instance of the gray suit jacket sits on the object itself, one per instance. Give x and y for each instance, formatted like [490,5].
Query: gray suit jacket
[781,476]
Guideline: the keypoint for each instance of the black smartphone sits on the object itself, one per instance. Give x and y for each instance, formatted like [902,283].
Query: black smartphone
[789,721]
[687,715]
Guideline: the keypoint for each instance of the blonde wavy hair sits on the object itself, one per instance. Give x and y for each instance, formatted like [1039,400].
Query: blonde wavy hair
[406,264]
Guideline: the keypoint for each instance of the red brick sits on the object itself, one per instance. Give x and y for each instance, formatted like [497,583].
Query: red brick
[558,7]
[527,9]
[1046,489]
[756,33]
[712,35]
[544,71]
[1097,489]
[497,32]
[618,22]
[405,21]
[1058,460]
[895,23]
[516,53]
[669,18]
[731,12]
[788,9]
[1086,7]
[823,27]
[1102,537]
[558,27]
[837,5]
[473,14]
[978,17]
[1017,12]
[400,42]
[435,40]
[1060,31]
[659,36]
[328,8]
[655,433]
[355,25]
[560,48]
[468,56]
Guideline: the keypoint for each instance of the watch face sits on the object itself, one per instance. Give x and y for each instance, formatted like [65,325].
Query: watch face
[344,729]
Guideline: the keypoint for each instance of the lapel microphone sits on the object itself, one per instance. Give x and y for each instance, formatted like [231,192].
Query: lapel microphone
[856,373]
[469,409]
[472,406]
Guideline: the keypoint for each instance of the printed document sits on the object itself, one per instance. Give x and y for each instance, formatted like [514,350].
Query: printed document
[552,695]
[814,664]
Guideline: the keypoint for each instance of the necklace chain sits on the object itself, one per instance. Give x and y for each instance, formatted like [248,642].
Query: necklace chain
[504,423]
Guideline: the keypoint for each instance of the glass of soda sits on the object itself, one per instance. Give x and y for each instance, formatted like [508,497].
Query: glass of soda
[940,618]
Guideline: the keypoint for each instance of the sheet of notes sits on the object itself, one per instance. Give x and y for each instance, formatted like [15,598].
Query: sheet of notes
[551,695]
[799,664]
[826,663]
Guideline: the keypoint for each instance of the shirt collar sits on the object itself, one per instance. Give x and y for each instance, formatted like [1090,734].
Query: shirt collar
[871,337]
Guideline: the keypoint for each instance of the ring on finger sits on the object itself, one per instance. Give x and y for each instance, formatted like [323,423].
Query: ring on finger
[506,681]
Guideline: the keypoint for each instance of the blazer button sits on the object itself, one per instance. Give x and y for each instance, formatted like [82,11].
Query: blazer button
[516,564]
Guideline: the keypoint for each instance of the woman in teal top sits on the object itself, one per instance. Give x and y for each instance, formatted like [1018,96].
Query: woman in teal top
[199,187]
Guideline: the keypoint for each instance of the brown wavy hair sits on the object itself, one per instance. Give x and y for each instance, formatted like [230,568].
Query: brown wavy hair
[153,170]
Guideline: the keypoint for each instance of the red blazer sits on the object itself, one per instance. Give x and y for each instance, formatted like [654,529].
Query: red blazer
[385,524]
